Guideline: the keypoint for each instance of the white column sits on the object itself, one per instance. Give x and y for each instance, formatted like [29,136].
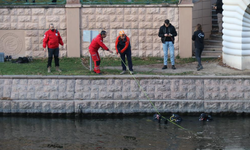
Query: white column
[236,34]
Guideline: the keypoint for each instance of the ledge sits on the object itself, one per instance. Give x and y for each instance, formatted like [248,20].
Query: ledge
[119,77]
[131,6]
[32,6]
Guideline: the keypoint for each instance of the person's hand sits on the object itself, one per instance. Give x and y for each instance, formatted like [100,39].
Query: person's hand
[44,49]
[165,34]
[62,46]
[117,54]
[215,7]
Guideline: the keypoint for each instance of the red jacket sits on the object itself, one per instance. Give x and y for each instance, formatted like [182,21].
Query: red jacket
[52,39]
[122,45]
[96,43]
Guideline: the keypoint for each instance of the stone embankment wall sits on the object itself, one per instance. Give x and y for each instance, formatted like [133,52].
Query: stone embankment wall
[121,94]
[22,28]
[140,23]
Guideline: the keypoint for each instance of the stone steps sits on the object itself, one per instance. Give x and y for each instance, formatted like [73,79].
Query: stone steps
[211,54]
[213,42]
[213,45]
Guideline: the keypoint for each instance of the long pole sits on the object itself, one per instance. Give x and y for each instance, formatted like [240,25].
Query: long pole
[90,58]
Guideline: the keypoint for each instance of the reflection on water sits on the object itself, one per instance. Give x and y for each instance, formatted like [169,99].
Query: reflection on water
[124,133]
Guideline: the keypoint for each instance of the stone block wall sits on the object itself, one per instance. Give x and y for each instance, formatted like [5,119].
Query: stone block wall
[34,22]
[140,23]
[22,27]
[202,14]
[122,94]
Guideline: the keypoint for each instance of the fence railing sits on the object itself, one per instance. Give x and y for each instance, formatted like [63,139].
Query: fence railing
[32,2]
[127,2]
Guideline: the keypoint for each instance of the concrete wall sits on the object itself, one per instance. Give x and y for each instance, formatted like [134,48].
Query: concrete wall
[140,23]
[236,32]
[22,28]
[202,14]
[121,94]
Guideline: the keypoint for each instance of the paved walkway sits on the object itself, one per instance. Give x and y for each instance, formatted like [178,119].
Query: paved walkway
[210,69]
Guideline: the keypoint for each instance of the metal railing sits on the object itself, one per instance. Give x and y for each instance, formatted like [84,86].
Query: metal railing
[127,2]
[32,2]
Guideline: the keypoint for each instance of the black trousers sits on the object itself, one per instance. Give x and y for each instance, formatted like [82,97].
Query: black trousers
[55,53]
[128,54]
[198,52]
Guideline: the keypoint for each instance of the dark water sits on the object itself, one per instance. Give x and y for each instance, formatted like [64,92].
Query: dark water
[124,133]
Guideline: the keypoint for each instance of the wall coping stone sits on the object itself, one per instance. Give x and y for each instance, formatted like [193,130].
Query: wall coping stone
[119,77]
[32,6]
[96,6]
[130,6]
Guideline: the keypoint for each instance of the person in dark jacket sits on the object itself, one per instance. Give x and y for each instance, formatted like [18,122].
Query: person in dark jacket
[95,44]
[198,38]
[167,33]
[218,7]
[52,39]
[123,47]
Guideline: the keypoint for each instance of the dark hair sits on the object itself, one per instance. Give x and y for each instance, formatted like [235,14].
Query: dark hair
[103,32]
[167,21]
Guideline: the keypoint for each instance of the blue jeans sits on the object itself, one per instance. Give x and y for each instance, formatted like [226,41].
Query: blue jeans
[170,45]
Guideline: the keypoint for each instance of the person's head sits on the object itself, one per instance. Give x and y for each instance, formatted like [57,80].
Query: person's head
[198,27]
[51,27]
[122,34]
[166,22]
[103,34]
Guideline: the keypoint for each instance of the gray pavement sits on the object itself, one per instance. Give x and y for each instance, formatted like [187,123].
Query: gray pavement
[210,69]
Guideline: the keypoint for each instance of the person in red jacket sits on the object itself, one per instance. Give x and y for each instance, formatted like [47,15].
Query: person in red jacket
[96,43]
[122,46]
[52,39]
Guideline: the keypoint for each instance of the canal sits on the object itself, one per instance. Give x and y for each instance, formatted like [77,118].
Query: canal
[139,132]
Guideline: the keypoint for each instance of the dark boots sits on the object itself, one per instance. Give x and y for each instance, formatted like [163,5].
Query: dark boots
[166,67]
[199,67]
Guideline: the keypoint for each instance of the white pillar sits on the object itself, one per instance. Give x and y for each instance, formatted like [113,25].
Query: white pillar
[236,33]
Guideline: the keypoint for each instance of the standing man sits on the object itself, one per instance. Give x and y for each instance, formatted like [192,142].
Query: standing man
[122,46]
[219,10]
[167,33]
[96,43]
[198,38]
[52,39]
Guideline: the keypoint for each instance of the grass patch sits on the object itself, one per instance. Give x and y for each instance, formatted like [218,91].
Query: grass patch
[73,66]
[70,66]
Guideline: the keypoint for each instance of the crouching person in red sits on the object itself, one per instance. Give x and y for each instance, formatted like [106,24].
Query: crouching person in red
[96,43]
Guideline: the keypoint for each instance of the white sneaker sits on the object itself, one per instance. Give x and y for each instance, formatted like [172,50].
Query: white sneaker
[49,71]
[123,72]
[59,70]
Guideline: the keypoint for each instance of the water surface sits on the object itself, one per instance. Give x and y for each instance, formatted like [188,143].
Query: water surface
[123,133]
